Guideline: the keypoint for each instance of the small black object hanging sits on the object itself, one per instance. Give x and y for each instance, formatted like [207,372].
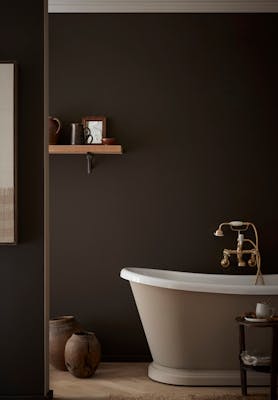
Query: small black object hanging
[90,158]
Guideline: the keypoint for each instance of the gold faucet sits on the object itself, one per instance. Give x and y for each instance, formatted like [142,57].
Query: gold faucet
[254,259]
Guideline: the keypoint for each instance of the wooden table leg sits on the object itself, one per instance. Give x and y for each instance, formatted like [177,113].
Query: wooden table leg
[243,377]
[273,390]
[274,361]
[244,382]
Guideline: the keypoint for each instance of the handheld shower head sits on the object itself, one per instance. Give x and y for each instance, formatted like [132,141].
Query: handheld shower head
[219,232]
[234,225]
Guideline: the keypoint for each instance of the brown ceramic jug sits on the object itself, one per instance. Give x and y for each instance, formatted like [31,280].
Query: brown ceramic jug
[54,128]
[60,330]
[82,354]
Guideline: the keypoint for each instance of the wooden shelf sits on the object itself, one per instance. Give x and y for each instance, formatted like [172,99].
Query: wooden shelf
[86,148]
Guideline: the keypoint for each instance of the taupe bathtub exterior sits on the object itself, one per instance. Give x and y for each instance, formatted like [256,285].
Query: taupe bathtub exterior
[189,322]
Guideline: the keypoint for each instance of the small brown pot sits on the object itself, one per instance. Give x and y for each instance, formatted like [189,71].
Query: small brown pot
[60,330]
[82,354]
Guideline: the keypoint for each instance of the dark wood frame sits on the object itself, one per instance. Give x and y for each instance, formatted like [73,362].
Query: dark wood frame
[85,121]
[15,65]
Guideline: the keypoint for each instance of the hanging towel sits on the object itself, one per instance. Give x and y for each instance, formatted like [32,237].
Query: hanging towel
[255,359]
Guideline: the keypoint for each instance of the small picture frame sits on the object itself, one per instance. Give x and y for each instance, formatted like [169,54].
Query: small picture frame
[94,129]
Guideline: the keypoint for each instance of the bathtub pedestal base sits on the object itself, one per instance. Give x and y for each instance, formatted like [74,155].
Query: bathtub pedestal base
[190,377]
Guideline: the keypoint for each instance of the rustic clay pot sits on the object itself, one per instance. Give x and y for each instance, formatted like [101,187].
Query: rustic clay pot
[60,330]
[82,354]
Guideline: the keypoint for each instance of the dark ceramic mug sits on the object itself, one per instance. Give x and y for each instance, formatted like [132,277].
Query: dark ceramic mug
[77,133]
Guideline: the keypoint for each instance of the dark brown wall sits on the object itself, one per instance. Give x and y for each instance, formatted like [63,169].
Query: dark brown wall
[193,98]
[21,282]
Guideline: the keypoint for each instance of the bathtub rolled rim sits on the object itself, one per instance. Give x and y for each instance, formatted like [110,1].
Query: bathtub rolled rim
[143,276]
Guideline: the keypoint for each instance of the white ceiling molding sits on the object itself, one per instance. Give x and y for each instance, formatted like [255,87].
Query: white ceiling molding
[162,6]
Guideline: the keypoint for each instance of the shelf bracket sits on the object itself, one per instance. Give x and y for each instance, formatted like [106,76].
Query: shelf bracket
[90,162]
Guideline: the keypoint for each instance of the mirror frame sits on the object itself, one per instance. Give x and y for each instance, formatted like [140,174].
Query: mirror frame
[15,126]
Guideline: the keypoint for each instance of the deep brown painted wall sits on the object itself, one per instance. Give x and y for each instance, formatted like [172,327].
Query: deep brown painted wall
[193,98]
[21,282]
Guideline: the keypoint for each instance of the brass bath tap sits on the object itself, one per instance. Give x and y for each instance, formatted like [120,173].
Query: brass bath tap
[253,252]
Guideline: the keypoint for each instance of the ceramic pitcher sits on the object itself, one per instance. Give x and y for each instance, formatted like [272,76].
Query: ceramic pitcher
[54,128]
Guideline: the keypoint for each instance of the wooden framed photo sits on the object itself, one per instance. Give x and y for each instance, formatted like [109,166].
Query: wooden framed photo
[95,129]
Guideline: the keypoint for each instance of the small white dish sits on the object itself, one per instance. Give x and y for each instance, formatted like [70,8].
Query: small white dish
[255,319]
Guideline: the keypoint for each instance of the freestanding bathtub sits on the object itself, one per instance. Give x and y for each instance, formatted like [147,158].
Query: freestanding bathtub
[189,323]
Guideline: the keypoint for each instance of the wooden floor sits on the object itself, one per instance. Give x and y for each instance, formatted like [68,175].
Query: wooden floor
[129,381]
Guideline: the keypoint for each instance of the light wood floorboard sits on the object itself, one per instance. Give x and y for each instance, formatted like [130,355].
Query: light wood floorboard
[129,381]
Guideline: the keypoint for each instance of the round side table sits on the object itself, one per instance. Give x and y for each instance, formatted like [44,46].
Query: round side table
[272,368]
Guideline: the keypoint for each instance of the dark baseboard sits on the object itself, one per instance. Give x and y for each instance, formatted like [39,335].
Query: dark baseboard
[49,396]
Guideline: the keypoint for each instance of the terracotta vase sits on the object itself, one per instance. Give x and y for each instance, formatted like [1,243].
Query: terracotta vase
[60,330]
[82,354]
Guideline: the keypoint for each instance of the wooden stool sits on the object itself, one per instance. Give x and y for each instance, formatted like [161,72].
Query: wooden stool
[272,368]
